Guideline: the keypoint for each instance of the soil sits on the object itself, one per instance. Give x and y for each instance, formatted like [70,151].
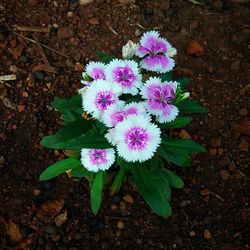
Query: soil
[210,212]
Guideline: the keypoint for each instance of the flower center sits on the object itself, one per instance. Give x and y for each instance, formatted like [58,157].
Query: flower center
[124,76]
[137,138]
[104,99]
[98,156]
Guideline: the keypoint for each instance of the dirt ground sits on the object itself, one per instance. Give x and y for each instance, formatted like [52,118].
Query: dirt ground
[211,212]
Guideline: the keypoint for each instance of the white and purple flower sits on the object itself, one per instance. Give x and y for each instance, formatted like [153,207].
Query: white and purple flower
[97,159]
[96,70]
[118,113]
[136,138]
[124,73]
[99,96]
[156,53]
[159,98]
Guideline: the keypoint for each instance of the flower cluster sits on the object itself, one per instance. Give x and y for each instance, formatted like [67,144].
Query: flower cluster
[131,122]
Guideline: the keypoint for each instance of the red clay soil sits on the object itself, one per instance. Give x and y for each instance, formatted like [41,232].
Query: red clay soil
[211,212]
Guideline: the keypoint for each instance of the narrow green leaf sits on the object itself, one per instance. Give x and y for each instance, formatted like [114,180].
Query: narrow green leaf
[79,172]
[96,192]
[182,146]
[177,158]
[173,179]
[151,191]
[86,141]
[164,185]
[178,122]
[66,134]
[59,168]
[191,106]
[117,183]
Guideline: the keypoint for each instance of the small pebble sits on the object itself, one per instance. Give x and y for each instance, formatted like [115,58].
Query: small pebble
[207,234]
[192,233]
[51,229]
[243,112]
[224,174]
[113,207]
[120,225]
[137,32]
[128,198]
[70,14]
[36,192]
[213,151]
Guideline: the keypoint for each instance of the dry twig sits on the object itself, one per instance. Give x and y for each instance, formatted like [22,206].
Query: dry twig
[43,45]
[31,29]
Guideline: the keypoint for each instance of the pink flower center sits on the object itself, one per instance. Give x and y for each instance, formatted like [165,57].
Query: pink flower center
[160,97]
[104,99]
[137,138]
[98,156]
[124,76]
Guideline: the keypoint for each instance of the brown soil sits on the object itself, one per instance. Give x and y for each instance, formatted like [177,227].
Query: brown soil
[211,212]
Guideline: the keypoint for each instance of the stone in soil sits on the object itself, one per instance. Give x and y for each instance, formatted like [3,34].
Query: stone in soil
[51,229]
[194,48]
[213,151]
[224,174]
[243,143]
[65,32]
[128,198]
[85,2]
[120,225]
[207,235]
[243,112]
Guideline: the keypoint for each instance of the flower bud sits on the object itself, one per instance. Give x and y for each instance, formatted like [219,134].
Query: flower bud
[128,50]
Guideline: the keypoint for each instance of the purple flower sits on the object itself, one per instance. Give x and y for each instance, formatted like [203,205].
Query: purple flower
[99,96]
[97,159]
[126,74]
[136,138]
[96,70]
[159,98]
[156,53]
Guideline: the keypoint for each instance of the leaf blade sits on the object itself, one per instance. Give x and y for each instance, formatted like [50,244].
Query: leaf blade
[58,168]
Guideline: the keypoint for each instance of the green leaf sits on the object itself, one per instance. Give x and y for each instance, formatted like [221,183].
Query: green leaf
[163,182]
[178,122]
[179,159]
[79,172]
[103,57]
[73,103]
[166,76]
[151,191]
[184,81]
[191,106]
[117,183]
[182,146]
[96,192]
[65,134]
[173,179]
[86,141]
[59,168]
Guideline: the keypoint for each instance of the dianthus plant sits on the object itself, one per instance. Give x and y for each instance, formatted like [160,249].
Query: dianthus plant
[118,126]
